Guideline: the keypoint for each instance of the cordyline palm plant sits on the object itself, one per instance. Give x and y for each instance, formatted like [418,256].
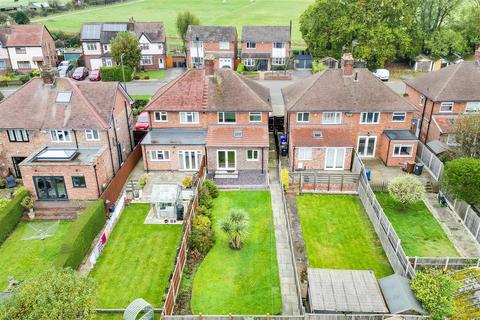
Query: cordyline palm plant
[236,227]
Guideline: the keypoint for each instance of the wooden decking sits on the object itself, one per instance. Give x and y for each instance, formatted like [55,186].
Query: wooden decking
[58,210]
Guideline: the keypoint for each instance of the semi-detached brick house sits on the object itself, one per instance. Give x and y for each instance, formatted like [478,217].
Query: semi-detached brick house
[333,112]
[265,47]
[219,42]
[65,139]
[222,115]
[440,97]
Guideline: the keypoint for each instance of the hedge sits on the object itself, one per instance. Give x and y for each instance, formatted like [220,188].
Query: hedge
[79,241]
[115,73]
[11,214]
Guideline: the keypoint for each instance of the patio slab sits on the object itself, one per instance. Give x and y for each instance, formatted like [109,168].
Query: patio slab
[246,179]
[382,174]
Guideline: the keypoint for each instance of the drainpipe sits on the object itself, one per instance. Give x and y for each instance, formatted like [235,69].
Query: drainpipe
[128,126]
[75,136]
[146,156]
[111,156]
[293,159]
[429,122]
[421,119]
[96,179]
[388,151]
[116,142]
[263,149]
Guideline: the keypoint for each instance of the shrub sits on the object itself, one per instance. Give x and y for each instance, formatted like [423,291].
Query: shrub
[317,66]
[136,77]
[82,233]
[240,68]
[211,187]
[135,112]
[204,211]
[406,189]
[140,104]
[1,96]
[143,181]
[115,73]
[11,214]
[461,177]
[187,182]
[28,202]
[204,198]
[3,182]
[146,78]
[202,237]
[4,202]
[236,227]
[24,78]
[435,290]
[35,73]
[284,178]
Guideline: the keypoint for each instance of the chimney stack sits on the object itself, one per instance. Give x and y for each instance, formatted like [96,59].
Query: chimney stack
[209,62]
[347,64]
[48,75]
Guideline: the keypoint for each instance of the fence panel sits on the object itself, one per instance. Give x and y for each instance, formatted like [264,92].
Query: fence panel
[309,316]
[321,181]
[453,263]
[430,160]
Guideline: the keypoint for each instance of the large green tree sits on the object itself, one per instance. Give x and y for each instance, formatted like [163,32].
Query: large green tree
[376,31]
[461,177]
[467,135]
[126,43]
[468,24]
[445,42]
[185,19]
[20,17]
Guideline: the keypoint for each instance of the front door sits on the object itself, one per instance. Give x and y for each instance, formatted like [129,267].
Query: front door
[189,160]
[161,63]
[366,146]
[262,64]
[226,159]
[50,188]
[16,161]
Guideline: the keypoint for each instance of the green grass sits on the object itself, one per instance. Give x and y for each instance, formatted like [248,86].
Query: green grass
[242,281]
[23,259]
[152,74]
[210,12]
[141,96]
[339,235]
[136,261]
[419,231]
[13,4]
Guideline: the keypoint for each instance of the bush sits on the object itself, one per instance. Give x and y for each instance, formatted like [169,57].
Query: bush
[82,233]
[211,187]
[146,78]
[136,77]
[143,181]
[28,202]
[406,189]
[435,290]
[204,211]
[187,182]
[115,73]
[205,199]
[461,178]
[240,68]
[11,214]
[317,67]
[35,73]
[24,78]
[202,237]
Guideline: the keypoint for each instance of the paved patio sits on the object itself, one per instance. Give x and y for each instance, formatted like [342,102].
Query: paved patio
[382,174]
[246,180]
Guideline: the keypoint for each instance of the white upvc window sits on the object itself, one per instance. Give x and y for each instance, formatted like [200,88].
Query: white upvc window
[252,154]
[91,46]
[399,116]
[402,150]
[332,118]
[224,45]
[249,62]
[20,50]
[23,65]
[255,116]
[370,117]
[160,116]
[278,61]
[334,158]
[303,116]
[446,106]
[18,135]
[160,155]
[305,153]
[146,61]
[227,117]
[92,135]
[279,45]
[144,46]
[251,45]
[472,107]
[60,136]
[188,117]
[105,48]
[422,100]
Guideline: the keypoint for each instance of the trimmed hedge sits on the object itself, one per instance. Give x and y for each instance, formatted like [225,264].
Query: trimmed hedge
[11,214]
[115,73]
[84,230]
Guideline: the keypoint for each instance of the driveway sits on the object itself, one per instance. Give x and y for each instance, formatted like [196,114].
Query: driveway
[144,87]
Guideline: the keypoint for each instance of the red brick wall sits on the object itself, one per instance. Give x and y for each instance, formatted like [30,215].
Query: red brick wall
[241,158]
[318,159]
[387,148]
[174,162]
[213,47]
[49,49]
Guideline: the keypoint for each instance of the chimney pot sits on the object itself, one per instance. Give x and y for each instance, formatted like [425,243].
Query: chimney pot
[48,75]
[347,64]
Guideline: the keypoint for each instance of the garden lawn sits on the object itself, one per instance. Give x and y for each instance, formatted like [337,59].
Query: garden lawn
[152,74]
[137,260]
[242,281]
[419,231]
[339,235]
[141,96]
[24,259]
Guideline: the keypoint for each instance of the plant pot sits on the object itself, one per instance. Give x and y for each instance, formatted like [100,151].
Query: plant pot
[31,214]
[140,193]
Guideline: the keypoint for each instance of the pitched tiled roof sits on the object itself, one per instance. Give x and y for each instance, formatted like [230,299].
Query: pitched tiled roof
[211,33]
[457,82]
[330,90]
[154,31]
[90,105]
[25,35]
[222,136]
[266,33]
[331,137]
[104,32]
[446,124]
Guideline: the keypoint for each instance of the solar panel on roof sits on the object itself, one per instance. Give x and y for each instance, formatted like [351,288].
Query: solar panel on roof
[117,27]
[91,31]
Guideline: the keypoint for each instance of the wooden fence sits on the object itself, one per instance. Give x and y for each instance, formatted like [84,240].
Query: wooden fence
[181,259]
[308,316]
[453,263]
[431,162]
[470,216]
[321,181]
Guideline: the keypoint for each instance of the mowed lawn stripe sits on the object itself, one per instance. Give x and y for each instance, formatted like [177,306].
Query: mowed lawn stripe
[242,281]
[339,235]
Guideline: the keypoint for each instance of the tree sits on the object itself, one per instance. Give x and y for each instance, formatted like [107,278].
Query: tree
[435,290]
[467,135]
[461,177]
[468,24]
[202,237]
[236,227]
[126,43]
[61,294]
[446,42]
[376,31]
[406,189]
[20,17]
[185,19]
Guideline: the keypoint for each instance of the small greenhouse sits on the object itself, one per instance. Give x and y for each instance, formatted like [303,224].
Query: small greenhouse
[165,199]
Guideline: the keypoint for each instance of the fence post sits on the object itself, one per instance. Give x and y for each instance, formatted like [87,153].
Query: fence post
[478,229]
[398,245]
[446,263]
[300,183]
[430,162]
[415,264]
[466,214]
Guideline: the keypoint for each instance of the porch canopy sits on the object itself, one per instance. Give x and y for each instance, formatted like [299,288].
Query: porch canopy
[402,135]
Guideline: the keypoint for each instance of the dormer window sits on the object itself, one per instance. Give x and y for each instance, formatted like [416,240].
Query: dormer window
[63,97]
[237,133]
[317,134]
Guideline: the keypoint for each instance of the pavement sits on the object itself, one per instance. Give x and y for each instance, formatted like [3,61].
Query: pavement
[8,90]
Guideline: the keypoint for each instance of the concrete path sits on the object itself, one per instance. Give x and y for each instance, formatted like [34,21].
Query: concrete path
[284,255]
[458,234]
[149,87]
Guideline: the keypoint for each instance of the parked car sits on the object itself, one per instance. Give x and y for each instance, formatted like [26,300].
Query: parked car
[80,73]
[94,75]
[142,122]
[64,68]
[382,74]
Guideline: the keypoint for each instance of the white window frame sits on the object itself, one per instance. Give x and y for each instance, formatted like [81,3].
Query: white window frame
[400,146]
[397,114]
[55,135]
[226,159]
[146,61]
[160,116]
[18,135]
[221,117]
[249,62]
[185,115]
[224,45]
[255,114]
[305,154]
[278,61]
[251,45]
[279,45]
[254,156]
[154,155]
[90,135]
[144,46]
[365,114]
[364,155]
[23,65]
[448,104]
[475,105]
[337,118]
[335,156]
[20,50]
[91,46]
[301,116]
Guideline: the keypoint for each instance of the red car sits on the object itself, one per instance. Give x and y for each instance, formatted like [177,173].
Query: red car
[94,75]
[142,122]
[80,73]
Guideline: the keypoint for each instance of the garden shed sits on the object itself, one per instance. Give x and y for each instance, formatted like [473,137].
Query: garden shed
[399,296]
[344,291]
[165,199]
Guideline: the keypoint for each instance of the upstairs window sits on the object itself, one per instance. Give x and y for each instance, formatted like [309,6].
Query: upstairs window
[251,45]
[227,117]
[370,117]
[144,46]
[422,100]
[303,116]
[196,44]
[91,135]
[18,135]
[188,117]
[278,45]
[105,47]
[332,118]
[446,107]
[399,116]
[21,50]
[224,45]
[255,116]
[60,136]
[161,116]
[473,107]
[91,46]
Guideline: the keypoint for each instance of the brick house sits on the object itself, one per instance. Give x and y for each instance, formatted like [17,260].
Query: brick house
[26,47]
[219,42]
[66,139]
[95,41]
[440,97]
[265,47]
[222,115]
[333,112]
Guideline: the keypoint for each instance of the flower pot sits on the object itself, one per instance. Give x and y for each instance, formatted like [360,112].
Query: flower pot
[31,214]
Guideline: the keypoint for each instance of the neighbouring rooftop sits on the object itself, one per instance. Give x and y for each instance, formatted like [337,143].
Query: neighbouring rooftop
[266,34]
[64,156]
[400,135]
[174,136]
[211,33]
